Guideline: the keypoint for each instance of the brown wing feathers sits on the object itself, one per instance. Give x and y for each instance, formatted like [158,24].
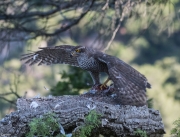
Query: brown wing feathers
[129,84]
[51,55]
[129,92]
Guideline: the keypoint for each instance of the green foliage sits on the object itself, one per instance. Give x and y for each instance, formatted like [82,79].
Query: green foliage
[175,132]
[45,126]
[150,103]
[49,126]
[72,82]
[92,120]
[140,133]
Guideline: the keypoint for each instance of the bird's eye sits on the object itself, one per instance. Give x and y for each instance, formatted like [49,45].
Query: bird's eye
[77,50]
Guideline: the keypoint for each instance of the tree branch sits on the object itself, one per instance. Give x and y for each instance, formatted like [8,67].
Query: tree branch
[62,29]
[39,14]
[117,120]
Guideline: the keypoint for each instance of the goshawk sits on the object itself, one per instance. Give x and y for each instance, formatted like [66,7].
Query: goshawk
[129,85]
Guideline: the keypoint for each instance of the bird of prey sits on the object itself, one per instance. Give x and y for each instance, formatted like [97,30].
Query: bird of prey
[129,84]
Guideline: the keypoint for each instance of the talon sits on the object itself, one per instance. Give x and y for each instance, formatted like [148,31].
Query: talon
[103,86]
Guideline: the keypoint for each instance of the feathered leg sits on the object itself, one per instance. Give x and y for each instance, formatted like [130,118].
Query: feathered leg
[95,77]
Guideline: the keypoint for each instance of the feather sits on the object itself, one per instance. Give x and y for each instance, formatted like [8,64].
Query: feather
[129,84]
[51,55]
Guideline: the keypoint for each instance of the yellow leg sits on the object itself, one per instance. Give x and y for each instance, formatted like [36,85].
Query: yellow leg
[104,84]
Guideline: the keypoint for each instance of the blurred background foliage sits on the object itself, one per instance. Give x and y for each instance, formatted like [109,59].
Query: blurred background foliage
[148,38]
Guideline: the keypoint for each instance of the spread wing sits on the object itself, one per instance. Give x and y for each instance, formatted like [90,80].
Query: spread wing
[130,85]
[51,55]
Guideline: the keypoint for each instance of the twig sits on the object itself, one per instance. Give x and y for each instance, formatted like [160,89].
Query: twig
[118,15]
[10,101]
[106,5]
[112,38]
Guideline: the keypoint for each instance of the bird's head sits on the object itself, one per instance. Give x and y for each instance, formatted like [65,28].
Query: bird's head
[77,51]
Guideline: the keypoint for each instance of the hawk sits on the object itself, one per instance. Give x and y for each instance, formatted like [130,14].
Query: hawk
[129,84]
